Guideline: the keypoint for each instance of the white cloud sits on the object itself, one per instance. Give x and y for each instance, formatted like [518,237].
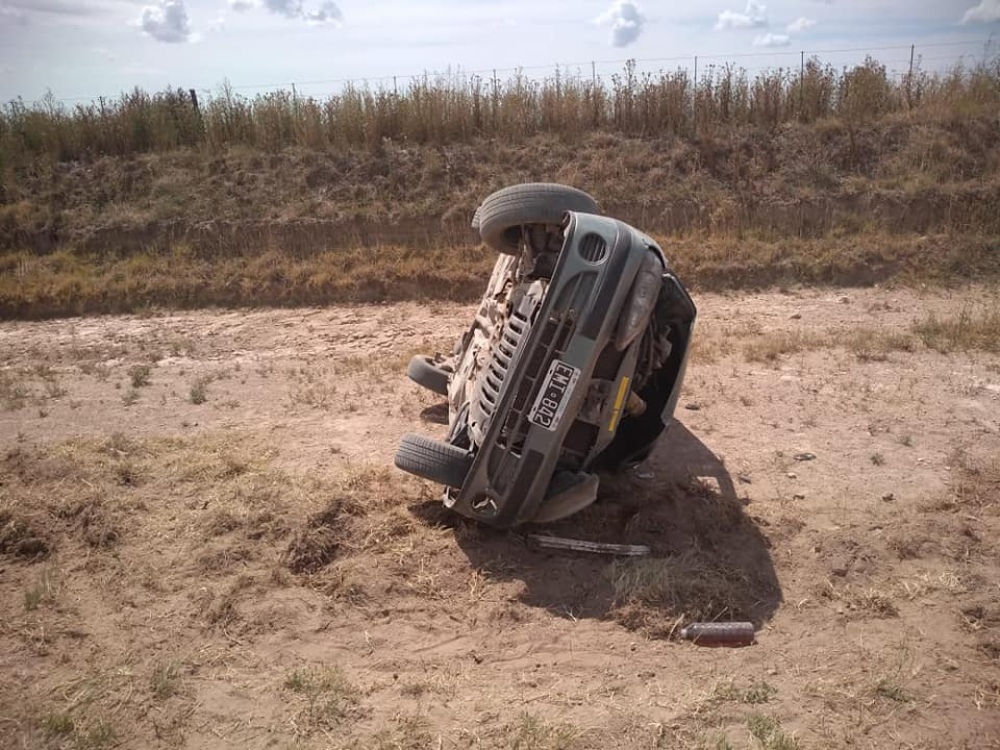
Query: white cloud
[328,13]
[772,40]
[800,24]
[286,8]
[15,15]
[51,7]
[988,11]
[754,17]
[167,22]
[627,22]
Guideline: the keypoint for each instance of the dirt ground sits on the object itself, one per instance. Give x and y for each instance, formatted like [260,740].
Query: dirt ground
[203,542]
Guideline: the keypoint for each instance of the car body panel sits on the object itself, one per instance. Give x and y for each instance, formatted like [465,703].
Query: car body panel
[575,319]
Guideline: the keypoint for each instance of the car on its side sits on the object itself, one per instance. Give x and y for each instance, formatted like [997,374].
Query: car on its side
[572,365]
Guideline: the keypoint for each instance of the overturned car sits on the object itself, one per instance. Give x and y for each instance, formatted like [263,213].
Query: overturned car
[571,367]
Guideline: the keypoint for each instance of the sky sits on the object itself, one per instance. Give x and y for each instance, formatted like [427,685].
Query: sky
[81,49]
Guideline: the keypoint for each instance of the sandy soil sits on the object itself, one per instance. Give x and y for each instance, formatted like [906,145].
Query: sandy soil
[203,542]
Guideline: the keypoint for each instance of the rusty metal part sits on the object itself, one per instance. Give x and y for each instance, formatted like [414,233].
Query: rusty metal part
[635,406]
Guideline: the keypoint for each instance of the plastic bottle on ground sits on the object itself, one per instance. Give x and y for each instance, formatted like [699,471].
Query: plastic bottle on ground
[719,633]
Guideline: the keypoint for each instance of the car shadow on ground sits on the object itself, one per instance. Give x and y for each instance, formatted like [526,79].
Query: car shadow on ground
[708,559]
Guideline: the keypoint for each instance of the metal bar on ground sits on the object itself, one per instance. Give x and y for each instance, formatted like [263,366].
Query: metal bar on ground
[579,545]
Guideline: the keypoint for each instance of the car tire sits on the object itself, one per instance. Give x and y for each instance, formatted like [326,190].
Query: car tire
[503,212]
[424,371]
[440,462]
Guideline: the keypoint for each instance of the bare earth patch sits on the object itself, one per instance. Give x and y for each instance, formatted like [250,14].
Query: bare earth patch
[203,542]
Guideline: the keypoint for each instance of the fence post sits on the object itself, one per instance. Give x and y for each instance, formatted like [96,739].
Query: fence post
[694,98]
[802,81]
[197,114]
[593,93]
[496,101]
[909,79]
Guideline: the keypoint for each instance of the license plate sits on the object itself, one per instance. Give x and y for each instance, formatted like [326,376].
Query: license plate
[554,395]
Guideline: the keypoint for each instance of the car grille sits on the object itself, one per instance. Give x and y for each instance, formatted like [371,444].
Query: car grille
[503,356]
[556,334]
[593,248]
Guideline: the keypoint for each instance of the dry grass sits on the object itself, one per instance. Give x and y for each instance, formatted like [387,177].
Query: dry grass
[690,586]
[198,393]
[445,110]
[165,681]
[66,283]
[139,375]
[329,698]
[14,391]
[967,330]
[976,481]
[530,732]
[970,328]
[871,601]
[768,732]
[729,691]
[316,545]
[876,344]
[772,346]
[42,591]
[237,587]
[368,196]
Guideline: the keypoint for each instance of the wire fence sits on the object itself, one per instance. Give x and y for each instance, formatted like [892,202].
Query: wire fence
[903,61]
[510,104]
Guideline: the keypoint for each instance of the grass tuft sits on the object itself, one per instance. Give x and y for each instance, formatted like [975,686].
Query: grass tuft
[42,591]
[59,724]
[14,393]
[768,732]
[891,689]
[531,732]
[329,696]
[688,586]
[973,327]
[139,374]
[165,681]
[198,394]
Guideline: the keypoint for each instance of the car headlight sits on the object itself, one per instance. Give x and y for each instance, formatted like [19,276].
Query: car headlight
[641,301]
